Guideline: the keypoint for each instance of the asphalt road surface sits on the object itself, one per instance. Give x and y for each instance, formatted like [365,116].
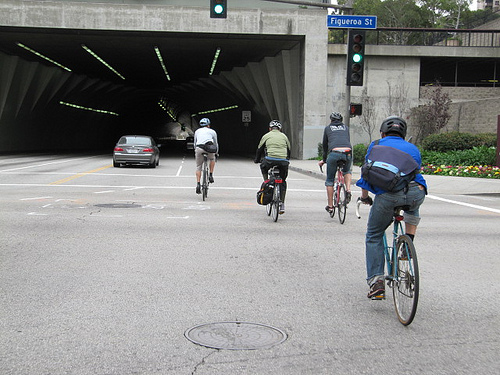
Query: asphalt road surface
[104,271]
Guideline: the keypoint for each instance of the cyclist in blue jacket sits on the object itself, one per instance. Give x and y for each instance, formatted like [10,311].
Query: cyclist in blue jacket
[393,133]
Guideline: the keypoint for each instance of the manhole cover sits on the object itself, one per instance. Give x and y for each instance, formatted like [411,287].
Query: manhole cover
[235,335]
[118,205]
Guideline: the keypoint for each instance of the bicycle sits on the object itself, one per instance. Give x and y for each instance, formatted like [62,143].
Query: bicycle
[204,177]
[273,207]
[339,193]
[402,269]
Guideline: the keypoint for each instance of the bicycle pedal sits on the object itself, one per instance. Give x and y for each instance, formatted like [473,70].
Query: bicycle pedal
[380,297]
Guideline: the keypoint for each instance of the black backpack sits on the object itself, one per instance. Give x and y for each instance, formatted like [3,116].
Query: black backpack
[388,168]
[265,194]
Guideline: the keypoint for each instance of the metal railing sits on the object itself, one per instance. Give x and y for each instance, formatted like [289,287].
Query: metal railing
[423,37]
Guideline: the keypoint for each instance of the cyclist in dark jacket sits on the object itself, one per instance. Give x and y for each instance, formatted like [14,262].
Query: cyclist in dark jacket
[336,146]
[393,132]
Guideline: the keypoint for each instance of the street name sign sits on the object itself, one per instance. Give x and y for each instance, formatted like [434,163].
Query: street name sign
[351,22]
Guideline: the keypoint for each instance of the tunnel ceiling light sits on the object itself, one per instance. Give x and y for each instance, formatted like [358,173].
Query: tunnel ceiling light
[96,56]
[215,110]
[42,56]
[214,62]
[89,109]
[162,63]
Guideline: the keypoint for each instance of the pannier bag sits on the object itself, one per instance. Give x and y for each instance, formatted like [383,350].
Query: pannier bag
[265,194]
[388,168]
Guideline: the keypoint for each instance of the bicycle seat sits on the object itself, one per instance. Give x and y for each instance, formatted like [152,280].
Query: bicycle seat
[398,209]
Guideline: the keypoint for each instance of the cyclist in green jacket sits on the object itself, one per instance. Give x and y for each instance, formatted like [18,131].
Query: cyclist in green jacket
[276,148]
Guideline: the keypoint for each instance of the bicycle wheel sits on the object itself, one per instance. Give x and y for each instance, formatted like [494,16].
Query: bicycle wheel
[269,208]
[204,183]
[341,200]
[406,283]
[275,204]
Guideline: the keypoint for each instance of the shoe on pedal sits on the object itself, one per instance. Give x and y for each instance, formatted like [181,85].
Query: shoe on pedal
[377,290]
[198,189]
[347,197]
[329,209]
[282,209]
[211,179]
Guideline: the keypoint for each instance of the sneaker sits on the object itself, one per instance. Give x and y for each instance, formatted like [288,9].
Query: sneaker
[329,209]
[198,189]
[282,209]
[211,179]
[347,197]
[377,290]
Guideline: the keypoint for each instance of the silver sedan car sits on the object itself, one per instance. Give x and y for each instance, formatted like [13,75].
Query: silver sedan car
[136,149]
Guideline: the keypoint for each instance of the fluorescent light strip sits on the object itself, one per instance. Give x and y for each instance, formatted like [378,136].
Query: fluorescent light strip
[89,109]
[101,61]
[214,62]
[215,110]
[42,56]
[157,50]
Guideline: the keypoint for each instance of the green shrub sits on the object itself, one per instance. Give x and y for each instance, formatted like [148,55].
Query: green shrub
[359,153]
[481,155]
[451,141]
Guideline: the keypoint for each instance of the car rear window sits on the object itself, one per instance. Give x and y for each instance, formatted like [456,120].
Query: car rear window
[135,141]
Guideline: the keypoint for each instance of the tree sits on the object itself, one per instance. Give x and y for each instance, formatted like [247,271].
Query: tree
[433,116]
[369,116]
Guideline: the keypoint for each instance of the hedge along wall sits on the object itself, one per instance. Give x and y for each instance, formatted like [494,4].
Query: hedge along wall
[473,109]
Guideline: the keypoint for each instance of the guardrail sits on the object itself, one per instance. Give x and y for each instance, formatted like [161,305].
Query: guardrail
[423,37]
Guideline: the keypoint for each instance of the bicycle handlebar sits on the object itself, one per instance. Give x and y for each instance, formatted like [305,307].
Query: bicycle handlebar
[359,202]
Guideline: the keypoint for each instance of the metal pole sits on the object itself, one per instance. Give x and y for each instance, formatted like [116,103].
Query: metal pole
[347,117]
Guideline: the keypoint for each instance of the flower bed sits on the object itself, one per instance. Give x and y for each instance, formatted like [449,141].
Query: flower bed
[483,171]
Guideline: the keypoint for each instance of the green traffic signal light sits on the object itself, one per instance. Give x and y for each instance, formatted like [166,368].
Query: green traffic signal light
[357,58]
[218,9]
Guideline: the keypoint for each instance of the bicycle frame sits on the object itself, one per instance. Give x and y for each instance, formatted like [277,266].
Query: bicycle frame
[390,251]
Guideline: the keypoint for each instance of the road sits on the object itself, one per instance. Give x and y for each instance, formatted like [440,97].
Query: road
[103,270]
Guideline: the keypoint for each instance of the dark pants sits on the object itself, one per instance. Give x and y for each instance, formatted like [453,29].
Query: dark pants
[282,165]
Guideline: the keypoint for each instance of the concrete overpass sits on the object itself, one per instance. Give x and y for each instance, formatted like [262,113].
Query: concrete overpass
[270,55]
[274,61]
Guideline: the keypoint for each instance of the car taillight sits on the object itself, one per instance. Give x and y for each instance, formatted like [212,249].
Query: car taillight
[118,149]
[147,150]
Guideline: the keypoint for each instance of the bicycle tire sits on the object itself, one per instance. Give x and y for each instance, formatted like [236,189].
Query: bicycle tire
[269,208]
[275,208]
[406,280]
[204,184]
[341,201]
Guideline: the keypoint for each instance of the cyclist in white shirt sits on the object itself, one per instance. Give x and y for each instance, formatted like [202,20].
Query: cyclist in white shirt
[205,140]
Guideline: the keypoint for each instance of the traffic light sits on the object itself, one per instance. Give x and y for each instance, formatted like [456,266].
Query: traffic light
[356,109]
[218,8]
[355,57]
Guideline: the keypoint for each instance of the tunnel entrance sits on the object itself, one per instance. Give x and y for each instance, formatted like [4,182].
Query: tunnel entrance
[73,89]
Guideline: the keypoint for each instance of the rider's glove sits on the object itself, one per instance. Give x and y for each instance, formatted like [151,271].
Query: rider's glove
[368,200]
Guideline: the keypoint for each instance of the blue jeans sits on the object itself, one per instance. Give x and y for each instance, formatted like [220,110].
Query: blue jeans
[380,218]
[331,166]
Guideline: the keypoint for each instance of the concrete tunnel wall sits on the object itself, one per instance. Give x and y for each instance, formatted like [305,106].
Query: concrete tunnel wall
[31,119]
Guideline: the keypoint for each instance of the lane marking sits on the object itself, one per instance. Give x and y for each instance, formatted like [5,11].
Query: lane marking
[78,175]
[44,164]
[464,204]
[34,199]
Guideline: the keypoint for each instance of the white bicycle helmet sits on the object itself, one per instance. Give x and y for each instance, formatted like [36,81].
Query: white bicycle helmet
[275,124]
[204,122]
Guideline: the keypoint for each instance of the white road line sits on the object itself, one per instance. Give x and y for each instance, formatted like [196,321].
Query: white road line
[34,199]
[464,204]
[104,192]
[44,164]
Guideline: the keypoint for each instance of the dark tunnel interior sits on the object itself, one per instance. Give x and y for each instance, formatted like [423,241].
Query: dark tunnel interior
[58,96]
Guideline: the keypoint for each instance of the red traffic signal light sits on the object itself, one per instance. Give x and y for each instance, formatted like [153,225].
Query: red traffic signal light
[356,109]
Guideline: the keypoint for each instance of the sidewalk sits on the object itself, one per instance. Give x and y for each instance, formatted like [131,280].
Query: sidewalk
[451,185]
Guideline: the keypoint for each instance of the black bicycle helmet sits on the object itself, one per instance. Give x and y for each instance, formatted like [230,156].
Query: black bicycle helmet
[204,122]
[275,124]
[394,124]
[336,116]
